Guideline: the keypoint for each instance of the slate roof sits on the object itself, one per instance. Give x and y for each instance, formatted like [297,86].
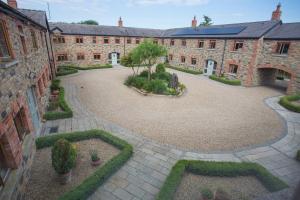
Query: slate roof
[36,15]
[285,31]
[83,29]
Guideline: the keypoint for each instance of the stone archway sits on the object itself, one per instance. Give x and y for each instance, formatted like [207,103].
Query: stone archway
[277,76]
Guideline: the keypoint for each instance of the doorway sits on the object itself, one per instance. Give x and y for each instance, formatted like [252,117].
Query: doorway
[210,67]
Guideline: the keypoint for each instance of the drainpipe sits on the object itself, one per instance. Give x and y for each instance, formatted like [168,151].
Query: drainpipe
[49,59]
[222,62]
[52,63]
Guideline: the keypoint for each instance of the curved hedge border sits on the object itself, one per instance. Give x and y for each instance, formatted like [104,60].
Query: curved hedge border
[286,102]
[66,113]
[91,183]
[62,71]
[210,168]
[88,67]
[224,80]
[190,71]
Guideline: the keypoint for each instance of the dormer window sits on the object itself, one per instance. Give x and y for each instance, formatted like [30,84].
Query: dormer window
[238,45]
[282,47]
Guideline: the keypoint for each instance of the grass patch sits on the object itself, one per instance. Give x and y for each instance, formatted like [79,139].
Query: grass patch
[225,80]
[286,102]
[190,71]
[225,169]
[66,110]
[91,183]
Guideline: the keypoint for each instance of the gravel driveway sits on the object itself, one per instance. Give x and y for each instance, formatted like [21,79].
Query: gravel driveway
[209,116]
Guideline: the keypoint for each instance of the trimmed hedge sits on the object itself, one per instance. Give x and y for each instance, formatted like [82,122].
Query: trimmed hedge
[66,113]
[97,66]
[190,71]
[225,169]
[225,80]
[62,71]
[286,102]
[91,183]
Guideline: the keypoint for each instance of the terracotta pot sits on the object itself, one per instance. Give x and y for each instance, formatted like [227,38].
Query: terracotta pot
[96,163]
[65,178]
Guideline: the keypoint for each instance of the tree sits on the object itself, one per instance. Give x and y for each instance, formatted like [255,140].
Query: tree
[89,22]
[129,61]
[206,22]
[147,53]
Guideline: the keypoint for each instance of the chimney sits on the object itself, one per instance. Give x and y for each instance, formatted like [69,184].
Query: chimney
[12,3]
[194,22]
[120,22]
[276,14]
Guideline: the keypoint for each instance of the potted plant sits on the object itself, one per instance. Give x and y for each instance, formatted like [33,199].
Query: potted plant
[95,158]
[63,159]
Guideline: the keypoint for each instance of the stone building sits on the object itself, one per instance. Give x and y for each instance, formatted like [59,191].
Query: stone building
[257,53]
[26,67]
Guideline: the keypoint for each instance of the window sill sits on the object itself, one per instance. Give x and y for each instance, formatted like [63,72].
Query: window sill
[280,55]
[5,65]
[211,49]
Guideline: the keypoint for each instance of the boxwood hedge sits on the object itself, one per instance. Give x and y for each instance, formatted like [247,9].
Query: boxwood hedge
[96,66]
[225,80]
[91,183]
[225,169]
[62,71]
[286,102]
[190,71]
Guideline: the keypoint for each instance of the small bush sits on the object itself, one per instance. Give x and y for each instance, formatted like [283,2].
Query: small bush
[65,71]
[55,84]
[158,86]
[162,76]
[286,102]
[63,156]
[206,194]
[225,80]
[139,82]
[190,71]
[144,74]
[298,155]
[160,68]
[94,155]
[53,106]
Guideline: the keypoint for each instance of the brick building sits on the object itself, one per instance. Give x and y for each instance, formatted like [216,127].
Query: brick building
[26,67]
[256,52]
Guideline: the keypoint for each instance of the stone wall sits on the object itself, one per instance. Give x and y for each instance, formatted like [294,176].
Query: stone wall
[24,70]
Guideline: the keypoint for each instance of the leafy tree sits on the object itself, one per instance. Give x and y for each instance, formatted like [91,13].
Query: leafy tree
[207,21]
[147,53]
[89,22]
[128,61]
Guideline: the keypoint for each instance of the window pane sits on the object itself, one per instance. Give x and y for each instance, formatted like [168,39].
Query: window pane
[3,45]
[285,48]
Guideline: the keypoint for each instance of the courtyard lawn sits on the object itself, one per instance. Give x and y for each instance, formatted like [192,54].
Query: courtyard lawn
[209,116]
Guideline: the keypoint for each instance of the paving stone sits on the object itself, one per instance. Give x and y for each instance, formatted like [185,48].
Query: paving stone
[135,191]
[122,194]
[149,188]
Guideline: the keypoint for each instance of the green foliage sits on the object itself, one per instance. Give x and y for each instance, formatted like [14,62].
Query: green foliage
[206,21]
[225,80]
[63,156]
[162,76]
[207,193]
[144,74]
[298,155]
[65,71]
[222,169]
[89,22]
[287,102]
[94,155]
[66,110]
[160,68]
[158,86]
[190,71]
[55,84]
[52,106]
[90,184]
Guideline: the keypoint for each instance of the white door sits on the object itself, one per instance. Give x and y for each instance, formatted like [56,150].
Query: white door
[210,67]
[114,58]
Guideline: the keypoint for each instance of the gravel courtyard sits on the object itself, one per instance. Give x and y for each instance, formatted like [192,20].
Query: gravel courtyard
[209,116]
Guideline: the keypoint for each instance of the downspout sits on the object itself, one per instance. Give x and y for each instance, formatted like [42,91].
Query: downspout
[51,47]
[222,62]
[49,60]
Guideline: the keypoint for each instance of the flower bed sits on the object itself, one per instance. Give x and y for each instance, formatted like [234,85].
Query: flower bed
[102,173]
[225,80]
[287,102]
[221,169]
[65,111]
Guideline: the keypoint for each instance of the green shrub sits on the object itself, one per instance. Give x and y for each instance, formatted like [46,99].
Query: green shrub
[158,86]
[129,80]
[139,82]
[162,76]
[210,168]
[190,71]
[160,68]
[207,193]
[298,155]
[91,183]
[55,84]
[52,106]
[144,74]
[65,71]
[225,80]
[286,102]
[63,156]
[66,110]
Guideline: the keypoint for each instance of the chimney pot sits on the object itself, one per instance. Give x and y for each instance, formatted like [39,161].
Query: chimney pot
[194,22]
[120,22]
[276,14]
[12,3]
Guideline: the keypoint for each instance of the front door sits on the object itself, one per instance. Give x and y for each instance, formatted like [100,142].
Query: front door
[210,67]
[114,58]
[33,107]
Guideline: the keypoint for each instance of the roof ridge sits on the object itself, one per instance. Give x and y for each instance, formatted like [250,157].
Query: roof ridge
[31,10]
